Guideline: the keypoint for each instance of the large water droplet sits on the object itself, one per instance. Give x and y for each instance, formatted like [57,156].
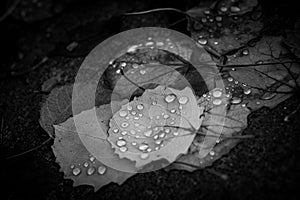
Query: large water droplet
[143,147]
[235,9]
[121,143]
[183,100]
[76,171]
[268,96]
[101,169]
[170,98]
[90,171]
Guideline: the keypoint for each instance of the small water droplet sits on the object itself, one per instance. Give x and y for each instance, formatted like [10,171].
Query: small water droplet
[259,62]
[175,133]
[217,93]
[235,9]
[230,79]
[207,12]
[183,100]
[142,71]
[155,137]
[169,98]
[90,171]
[218,18]
[121,143]
[243,105]
[166,116]
[202,41]
[123,149]
[167,130]
[133,132]
[144,156]
[233,69]
[217,102]
[76,171]
[211,20]
[92,159]
[72,166]
[247,91]
[257,102]
[140,107]
[101,169]
[245,52]
[133,143]
[212,153]
[143,147]
[148,133]
[116,130]
[122,113]
[236,100]
[125,124]
[124,132]
[223,9]
[173,110]
[133,112]
[162,135]
[86,164]
[204,20]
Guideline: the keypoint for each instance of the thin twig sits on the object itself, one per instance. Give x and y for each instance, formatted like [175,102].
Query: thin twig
[30,150]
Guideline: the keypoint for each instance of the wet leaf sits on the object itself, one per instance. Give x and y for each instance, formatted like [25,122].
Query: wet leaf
[75,160]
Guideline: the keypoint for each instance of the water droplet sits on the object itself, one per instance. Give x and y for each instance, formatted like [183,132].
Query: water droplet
[72,166]
[90,171]
[183,100]
[236,100]
[223,9]
[169,98]
[245,52]
[125,124]
[121,143]
[124,132]
[133,132]
[212,153]
[215,42]
[217,102]
[140,107]
[122,113]
[129,107]
[162,135]
[233,69]
[268,96]
[230,79]
[259,62]
[235,9]
[76,171]
[173,110]
[202,41]
[207,12]
[166,116]
[149,149]
[211,20]
[118,71]
[101,169]
[243,105]
[92,159]
[142,71]
[236,82]
[133,143]
[116,130]
[217,93]
[148,133]
[123,149]
[86,164]
[175,133]
[218,18]
[144,156]
[247,91]
[204,20]
[167,130]
[135,66]
[143,147]
[136,118]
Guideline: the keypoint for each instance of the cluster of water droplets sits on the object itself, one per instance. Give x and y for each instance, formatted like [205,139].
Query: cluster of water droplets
[147,124]
[89,167]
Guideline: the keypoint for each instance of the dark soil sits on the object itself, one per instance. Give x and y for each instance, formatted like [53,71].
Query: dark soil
[266,167]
